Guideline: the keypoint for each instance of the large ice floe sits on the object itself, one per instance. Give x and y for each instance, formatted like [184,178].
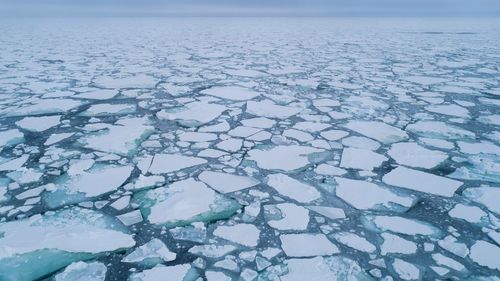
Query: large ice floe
[249,149]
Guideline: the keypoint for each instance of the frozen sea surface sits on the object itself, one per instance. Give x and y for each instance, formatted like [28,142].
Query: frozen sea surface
[249,149]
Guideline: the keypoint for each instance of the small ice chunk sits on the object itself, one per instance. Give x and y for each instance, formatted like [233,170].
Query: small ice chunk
[14,164]
[471,214]
[55,138]
[333,135]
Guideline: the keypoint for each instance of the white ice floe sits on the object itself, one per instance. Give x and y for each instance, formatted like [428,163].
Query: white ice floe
[104,109]
[236,93]
[243,234]
[354,241]
[13,164]
[292,217]
[449,109]
[43,106]
[10,137]
[283,158]
[196,137]
[414,155]
[307,245]
[365,195]
[225,183]
[363,159]
[323,268]
[400,225]
[153,252]
[484,253]
[82,271]
[428,183]
[97,94]
[440,130]
[55,138]
[122,138]
[159,272]
[39,124]
[486,196]
[406,270]
[184,202]
[333,135]
[394,244]
[78,186]
[269,109]
[167,163]
[471,214]
[377,130]
[193,114]
[329,212]
[360,142]
[133,81]
[36,246]
[259,122]
[292,188]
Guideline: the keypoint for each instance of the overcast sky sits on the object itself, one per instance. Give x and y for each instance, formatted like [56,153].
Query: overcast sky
[369,8]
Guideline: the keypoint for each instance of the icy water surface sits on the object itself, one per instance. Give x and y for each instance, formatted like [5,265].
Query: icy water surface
[249,149]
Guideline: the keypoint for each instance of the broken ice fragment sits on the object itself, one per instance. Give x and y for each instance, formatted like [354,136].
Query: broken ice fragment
[34,247]
[167,163]
[193,114]
[78,187]
[307,245]
[414,155]
[293,188]
[243,234]
[377,130]
[365,195]
[151,253]
[123,138]
[269,109]
[82,271]
[428,183]
[225,183]
[400,225]
[363,159]
[39,124]
[283,158]
[184,202]
[236,93]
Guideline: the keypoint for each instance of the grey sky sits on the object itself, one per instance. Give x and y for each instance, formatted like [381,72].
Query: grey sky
[392,8]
